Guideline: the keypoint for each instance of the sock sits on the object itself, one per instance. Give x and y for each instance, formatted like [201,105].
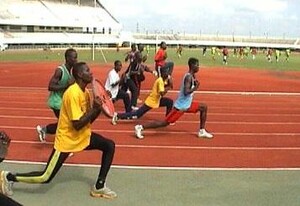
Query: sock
[99,184]
[11,177]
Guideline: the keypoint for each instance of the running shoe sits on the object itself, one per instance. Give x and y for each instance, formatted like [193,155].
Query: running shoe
[104,192]
[204,134]
[114,119]
[134,108]
[138,131]
[41,133]
[6,186]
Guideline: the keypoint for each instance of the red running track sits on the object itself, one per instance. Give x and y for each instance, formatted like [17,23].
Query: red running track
[256,129]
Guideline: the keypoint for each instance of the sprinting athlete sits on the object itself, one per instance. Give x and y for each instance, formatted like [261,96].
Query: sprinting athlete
[183,104]
[155,99]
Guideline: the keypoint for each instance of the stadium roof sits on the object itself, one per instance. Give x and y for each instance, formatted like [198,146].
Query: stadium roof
[48,13]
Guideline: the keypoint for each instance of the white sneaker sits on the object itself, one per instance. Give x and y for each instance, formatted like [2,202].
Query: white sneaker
[203,133]
[5,185]
[134,108]
[138,131]
[104,192]
[114,119]
[41,133]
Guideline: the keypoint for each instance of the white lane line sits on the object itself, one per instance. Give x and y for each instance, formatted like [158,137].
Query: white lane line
[157,113]
[44,89]
[177,132]
[177,147]
[163,168]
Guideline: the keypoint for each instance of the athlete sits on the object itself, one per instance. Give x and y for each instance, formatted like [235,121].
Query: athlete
[112,84]
[73,135]
[155,99]
[183,104]
[130,55]
[134,75]
[58,83]
[225,55]
[161,59]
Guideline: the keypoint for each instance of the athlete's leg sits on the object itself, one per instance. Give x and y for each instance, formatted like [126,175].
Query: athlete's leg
[55,162]
[51,128]
[135,114]
[166,102]
[172,117]
[107,147]
[126,99]
[134,91]
[203,114]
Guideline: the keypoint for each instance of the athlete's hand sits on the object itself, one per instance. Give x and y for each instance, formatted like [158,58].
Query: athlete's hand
[97,103]
[196,84]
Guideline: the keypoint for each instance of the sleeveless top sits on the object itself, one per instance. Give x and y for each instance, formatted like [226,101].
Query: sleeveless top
[55,97]
[183,102]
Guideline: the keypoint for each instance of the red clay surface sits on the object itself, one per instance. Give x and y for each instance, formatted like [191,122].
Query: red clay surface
[251,130]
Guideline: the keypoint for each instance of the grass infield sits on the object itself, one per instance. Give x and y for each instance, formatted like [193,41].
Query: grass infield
[110,55]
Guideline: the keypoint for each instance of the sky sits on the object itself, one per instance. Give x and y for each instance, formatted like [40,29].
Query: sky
[267,18]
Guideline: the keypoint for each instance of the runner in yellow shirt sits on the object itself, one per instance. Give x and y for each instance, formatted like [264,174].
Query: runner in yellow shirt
[155,99]
[73,135]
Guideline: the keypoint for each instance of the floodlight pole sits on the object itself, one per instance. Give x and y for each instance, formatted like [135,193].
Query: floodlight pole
[156,41]
[93,46]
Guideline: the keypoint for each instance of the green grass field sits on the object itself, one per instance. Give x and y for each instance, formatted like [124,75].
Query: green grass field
[110,55]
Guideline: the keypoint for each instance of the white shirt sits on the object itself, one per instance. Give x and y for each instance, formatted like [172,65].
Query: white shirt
[112,78]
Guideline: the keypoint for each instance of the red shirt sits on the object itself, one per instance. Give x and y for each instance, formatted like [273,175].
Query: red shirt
[225,51]
[160,57]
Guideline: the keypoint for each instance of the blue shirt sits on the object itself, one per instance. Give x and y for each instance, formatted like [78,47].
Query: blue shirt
[183,102]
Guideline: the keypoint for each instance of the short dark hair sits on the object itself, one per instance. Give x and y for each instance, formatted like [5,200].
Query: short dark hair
[164,70]
[68,52]
[192,61]
[117,62]
[133,45]
[77,68]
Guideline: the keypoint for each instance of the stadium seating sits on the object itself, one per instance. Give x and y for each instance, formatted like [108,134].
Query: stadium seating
[51,21]
[88,22]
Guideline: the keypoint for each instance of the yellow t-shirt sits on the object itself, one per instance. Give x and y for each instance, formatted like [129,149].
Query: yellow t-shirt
[74,104]
[154,98]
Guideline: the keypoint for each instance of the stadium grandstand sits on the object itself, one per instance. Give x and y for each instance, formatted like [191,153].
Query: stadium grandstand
[51,22]
[82,23]
[194,40]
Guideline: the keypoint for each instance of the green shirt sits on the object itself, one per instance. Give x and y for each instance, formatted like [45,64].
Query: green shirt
[55,97]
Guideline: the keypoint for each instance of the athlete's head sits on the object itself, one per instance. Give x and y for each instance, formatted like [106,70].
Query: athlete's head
[193,65]
[118,65]
[71,57]
[164,71]
[163,45]
[82,73]
[141,47]
[133,47]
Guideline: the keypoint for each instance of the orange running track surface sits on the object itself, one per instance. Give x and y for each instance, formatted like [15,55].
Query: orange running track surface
[254,116]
